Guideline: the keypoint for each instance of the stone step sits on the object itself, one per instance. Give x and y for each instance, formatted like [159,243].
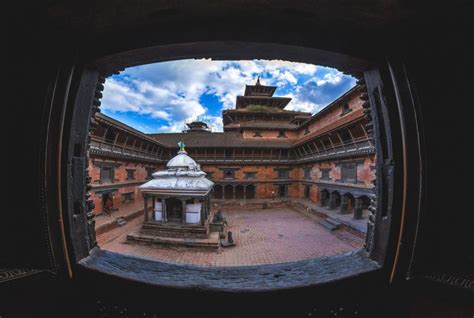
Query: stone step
[333,221]
[212,242]
[329,224]
[121,221]
[166,230]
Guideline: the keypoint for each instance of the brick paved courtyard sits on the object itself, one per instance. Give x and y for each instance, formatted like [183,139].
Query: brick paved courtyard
[263,236]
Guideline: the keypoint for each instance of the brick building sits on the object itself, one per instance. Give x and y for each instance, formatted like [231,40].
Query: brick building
[264,152]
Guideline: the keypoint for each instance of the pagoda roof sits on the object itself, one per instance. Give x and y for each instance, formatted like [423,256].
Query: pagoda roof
[277,102]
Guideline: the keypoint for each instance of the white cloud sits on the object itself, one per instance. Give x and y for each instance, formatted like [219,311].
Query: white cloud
[171,91]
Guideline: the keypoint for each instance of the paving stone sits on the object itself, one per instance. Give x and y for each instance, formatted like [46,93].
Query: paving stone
[276,235]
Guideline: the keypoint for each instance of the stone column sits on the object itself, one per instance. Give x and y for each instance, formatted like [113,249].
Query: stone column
[358,208]
[203,210]
[183,214]
[145,208]
[332,200]
[344,204]
[164,214]
[153,204]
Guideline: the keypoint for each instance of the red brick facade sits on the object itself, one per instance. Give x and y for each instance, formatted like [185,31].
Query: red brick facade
[329,152]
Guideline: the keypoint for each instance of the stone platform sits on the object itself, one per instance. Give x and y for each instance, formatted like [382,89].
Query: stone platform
[262,236]
[175,234]
[211,241]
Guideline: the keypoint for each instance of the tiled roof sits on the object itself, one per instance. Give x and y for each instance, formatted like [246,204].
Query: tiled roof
[263,125]
[227,139]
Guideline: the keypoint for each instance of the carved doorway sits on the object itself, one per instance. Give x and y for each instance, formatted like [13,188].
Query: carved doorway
[174,209]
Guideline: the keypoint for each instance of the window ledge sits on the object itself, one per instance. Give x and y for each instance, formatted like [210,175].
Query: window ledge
[234,279]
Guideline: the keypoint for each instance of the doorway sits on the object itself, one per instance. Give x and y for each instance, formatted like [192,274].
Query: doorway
[174,210]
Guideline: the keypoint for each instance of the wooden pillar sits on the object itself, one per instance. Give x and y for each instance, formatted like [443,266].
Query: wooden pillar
[233,192]
[344,203]
[164,214]
[153,199]
[358,208]
[245,192]
[145,208]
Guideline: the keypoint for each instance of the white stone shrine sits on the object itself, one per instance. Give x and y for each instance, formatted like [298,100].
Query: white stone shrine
[180,203]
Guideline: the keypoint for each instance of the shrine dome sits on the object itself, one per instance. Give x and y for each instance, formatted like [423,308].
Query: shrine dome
[183,176]
[181,160]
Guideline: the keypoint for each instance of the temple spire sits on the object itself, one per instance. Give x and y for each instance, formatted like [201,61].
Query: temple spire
[258,81]
[181,146]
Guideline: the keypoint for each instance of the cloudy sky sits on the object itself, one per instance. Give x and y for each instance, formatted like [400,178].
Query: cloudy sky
[162,97]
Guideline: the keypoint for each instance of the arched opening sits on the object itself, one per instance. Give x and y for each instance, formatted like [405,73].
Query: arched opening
[239,191]
[334,200]
[324,197]
[217,192]
[228,192]
[347,203]
[250,191]
[306,191]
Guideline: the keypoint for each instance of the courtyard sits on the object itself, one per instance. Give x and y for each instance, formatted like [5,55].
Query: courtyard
[262,236]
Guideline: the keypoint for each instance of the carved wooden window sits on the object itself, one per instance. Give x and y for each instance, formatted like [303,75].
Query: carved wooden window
[250,175]
[346,109]
[229,174]
[283,174]
[325,174]
[127,197]
[130,174]
[307,173]
[107,174]
[349,173]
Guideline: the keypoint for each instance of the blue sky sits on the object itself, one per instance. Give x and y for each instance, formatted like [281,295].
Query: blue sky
[162,97]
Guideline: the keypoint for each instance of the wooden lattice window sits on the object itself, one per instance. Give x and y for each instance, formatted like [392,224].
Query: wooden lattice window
[349,173]
[107,174]
[130,174]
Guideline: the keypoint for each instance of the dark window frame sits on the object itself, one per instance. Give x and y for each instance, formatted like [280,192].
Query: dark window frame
[345,109]
[325,173]
[388,143]
[349,172]
[228,173]
[111,177]
[132,171]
